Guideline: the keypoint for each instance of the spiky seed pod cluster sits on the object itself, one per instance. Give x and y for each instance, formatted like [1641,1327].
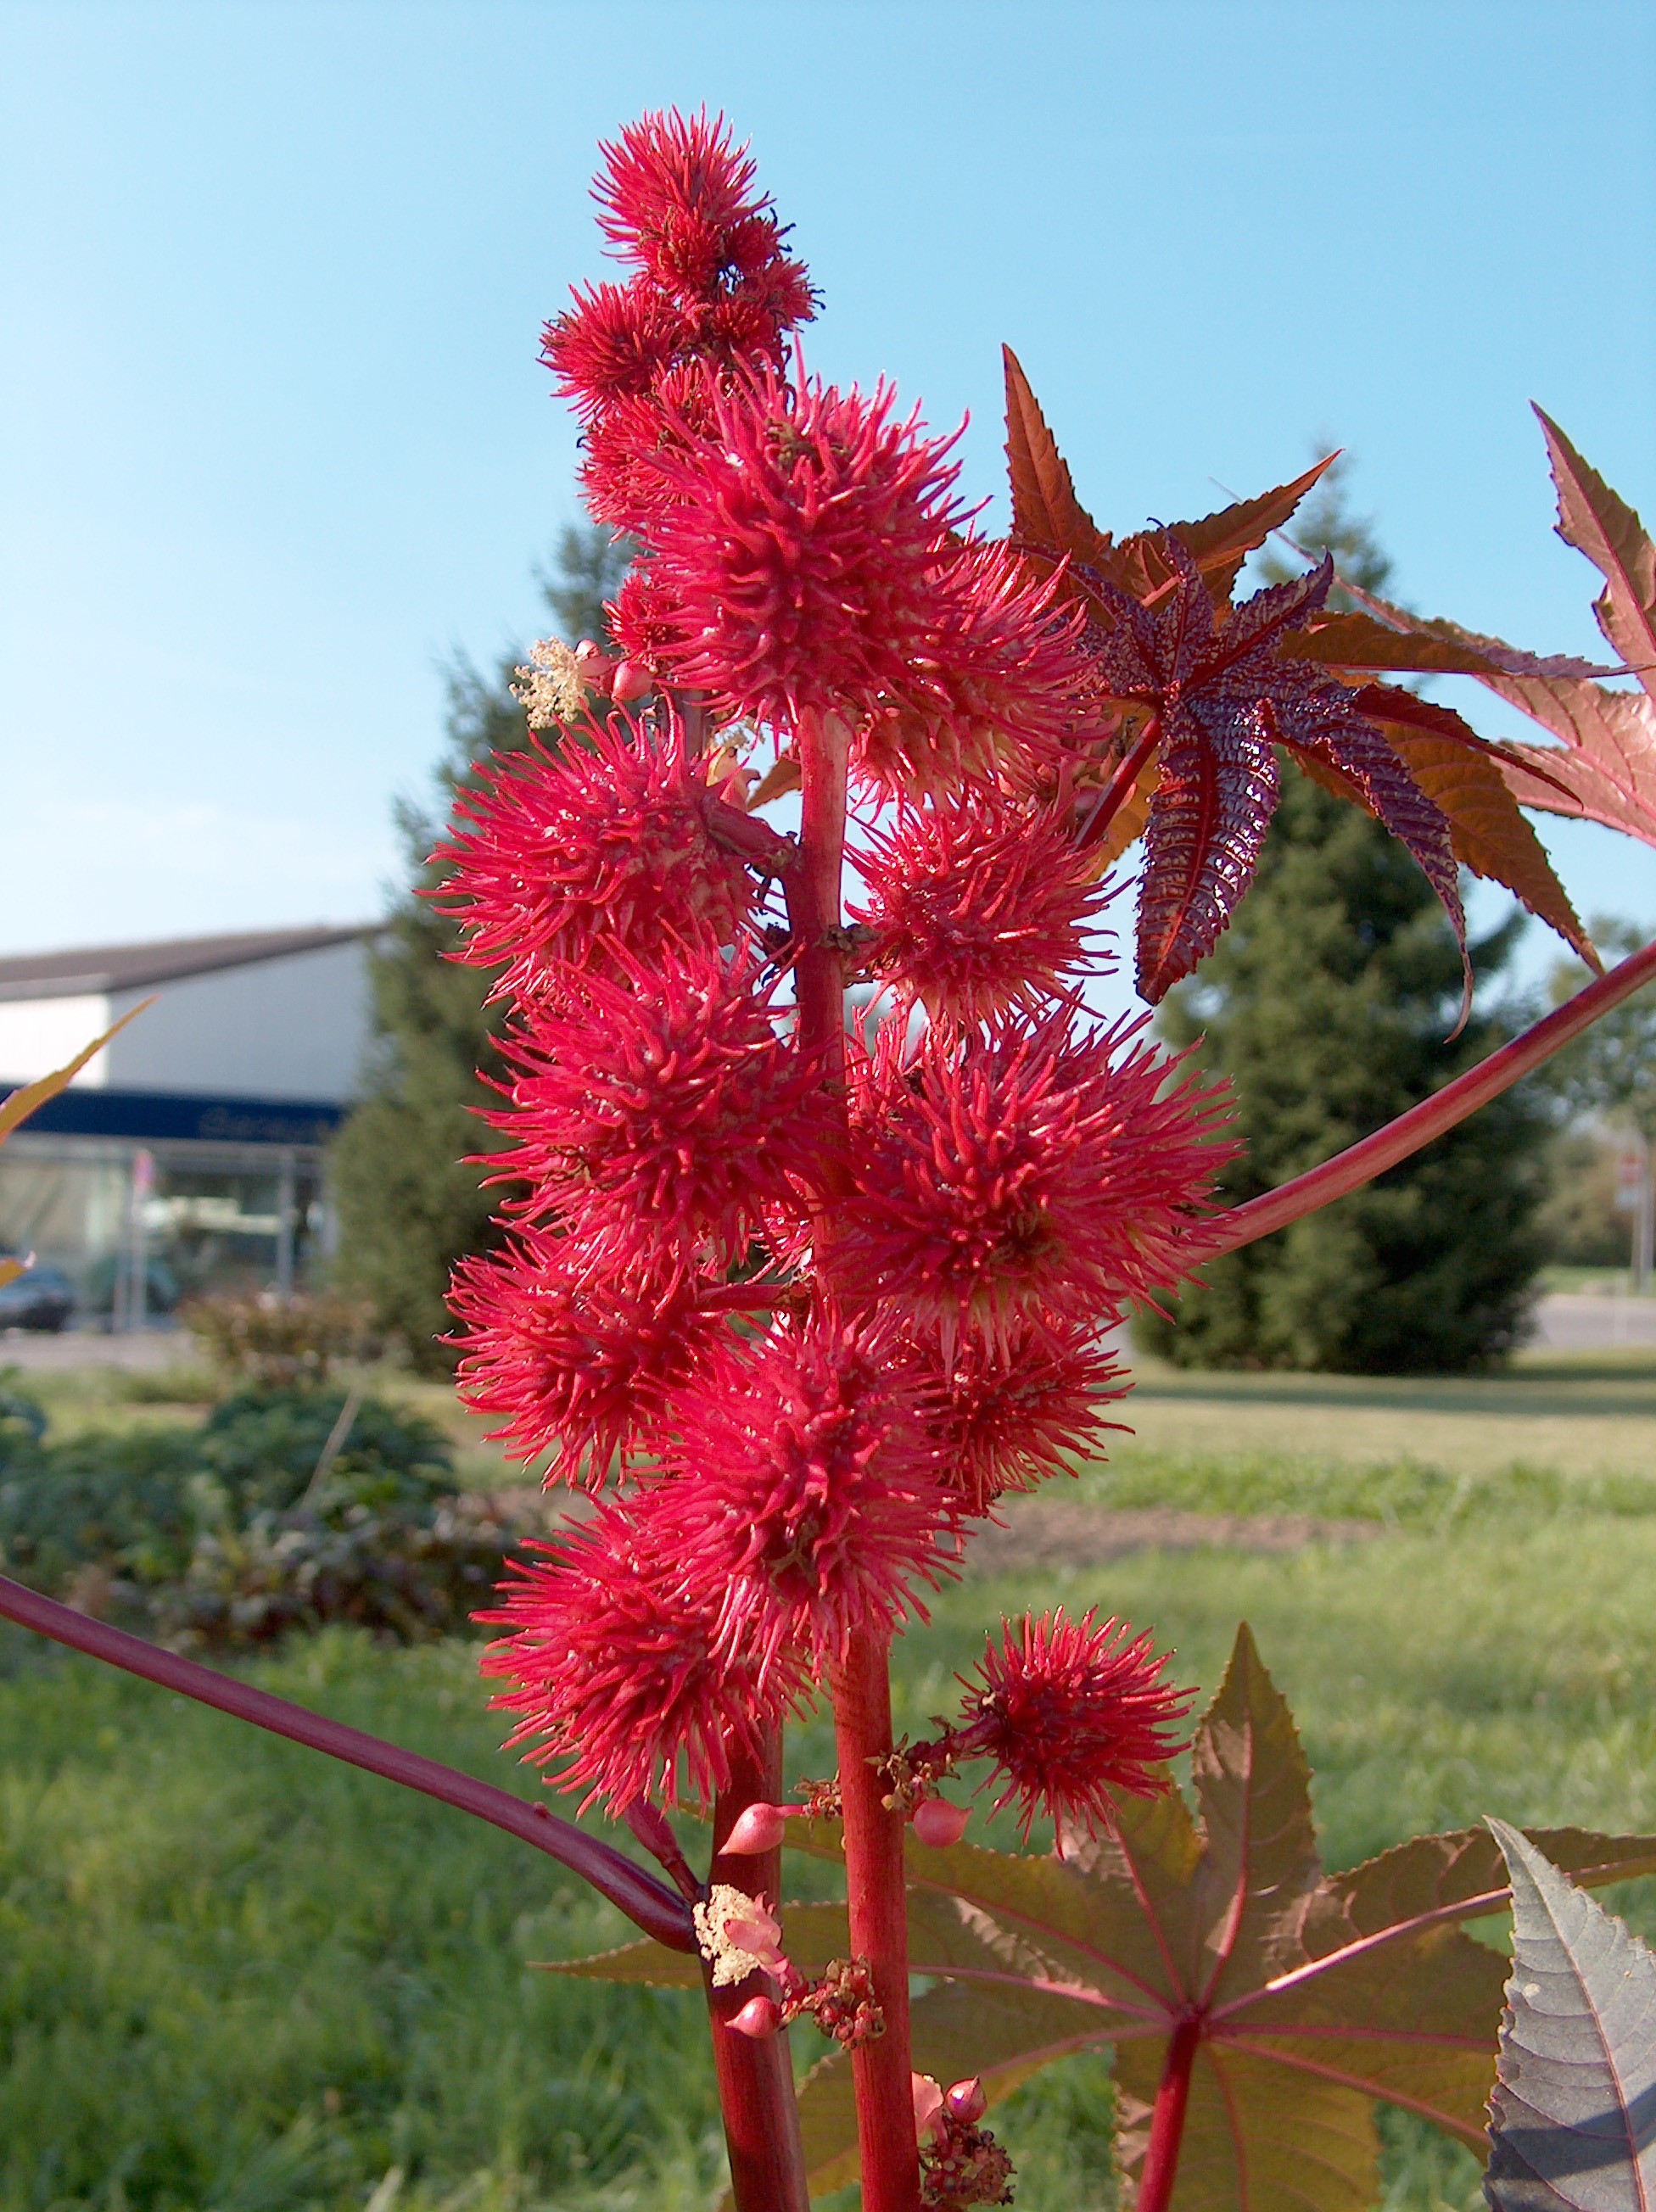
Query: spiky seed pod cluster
[1030,1172]
[977,905]
[574,862]
[807,1501]
[1070,1712]
[797,1332]
[616,1677]
[662,1113]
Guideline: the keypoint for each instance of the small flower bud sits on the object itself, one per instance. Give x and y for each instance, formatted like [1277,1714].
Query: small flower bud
[759,1827]
[593,662]
[938,1823]
[758,2017]
[966,2102]
[632,680]
[928,2105]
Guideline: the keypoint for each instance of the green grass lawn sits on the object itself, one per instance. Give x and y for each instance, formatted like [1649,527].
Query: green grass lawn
[236,1979]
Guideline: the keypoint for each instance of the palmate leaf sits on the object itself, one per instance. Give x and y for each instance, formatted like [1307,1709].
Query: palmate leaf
[1603,769]
[1465,778]
[1596,522]
[1316,1994]
[1412,645]
[1048,521]
[1573,2118]
[1225,698]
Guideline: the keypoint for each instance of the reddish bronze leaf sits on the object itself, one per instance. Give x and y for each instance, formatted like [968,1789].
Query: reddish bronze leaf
[1218,542]
[1464,779]
[1224,697]
[1046,511]
[1358,640]
[1597,523]
[1605,770]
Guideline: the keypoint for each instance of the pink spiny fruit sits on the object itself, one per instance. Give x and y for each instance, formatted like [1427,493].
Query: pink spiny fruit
[1032,1175]
[645,620]
[1004,685]
[563,859]
[798,537]
[977,905]
[575,1354]
[678,199]
[616,1677]
[803,1508]
[1070,1711]
[615,342]
[662,1112]
[1008,1418]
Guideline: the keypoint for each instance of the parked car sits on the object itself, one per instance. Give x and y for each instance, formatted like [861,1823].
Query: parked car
[40,1297]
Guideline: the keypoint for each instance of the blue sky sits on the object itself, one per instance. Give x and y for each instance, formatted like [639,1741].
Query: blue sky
[277,443]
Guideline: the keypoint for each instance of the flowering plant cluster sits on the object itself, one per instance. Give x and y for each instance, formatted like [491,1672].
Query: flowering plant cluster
[823,1192]
[798,1293]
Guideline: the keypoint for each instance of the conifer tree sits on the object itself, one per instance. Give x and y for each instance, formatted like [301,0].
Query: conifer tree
[1328,1003]
[409,1199]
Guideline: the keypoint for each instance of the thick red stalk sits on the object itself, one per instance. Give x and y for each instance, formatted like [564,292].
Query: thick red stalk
[1120,785]
[882,2070]
[812,887]
[1155,2189]
[756,2079]
[645,1901]
[1360,1163]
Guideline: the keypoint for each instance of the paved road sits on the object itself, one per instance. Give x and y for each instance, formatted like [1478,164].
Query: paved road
[1565,1321]
[1571,1321]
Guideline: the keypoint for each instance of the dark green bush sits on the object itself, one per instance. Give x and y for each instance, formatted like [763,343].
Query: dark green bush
[221,1536]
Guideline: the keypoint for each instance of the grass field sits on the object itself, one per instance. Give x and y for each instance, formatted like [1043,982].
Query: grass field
[235,1979]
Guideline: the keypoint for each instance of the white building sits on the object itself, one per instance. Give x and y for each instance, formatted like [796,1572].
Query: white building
[187,1156]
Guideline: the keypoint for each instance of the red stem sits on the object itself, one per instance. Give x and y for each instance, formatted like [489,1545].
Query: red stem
[645,1901]
[1360,1163]
[1155,2188]
[882,2070]
[811,888]
[755,2079]
[1120,788]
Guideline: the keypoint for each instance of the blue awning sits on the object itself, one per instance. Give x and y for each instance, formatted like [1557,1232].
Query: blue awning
[149,1115]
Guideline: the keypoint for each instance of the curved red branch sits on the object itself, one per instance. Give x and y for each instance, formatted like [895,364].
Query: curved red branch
[646,1902]
[1360,1163]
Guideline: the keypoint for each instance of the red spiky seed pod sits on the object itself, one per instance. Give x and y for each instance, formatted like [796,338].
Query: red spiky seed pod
[664,1111]
[804,1510]
[561,862]
[1008,1419]
[977,905]
[645,620]
[613,342]
[614,1678]
[798,536]
[573,1355]
[1004,686]
[1028,1176]
[1069,1711]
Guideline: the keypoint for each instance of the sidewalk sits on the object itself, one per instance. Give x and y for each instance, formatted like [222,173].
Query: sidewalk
[1583,1320]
